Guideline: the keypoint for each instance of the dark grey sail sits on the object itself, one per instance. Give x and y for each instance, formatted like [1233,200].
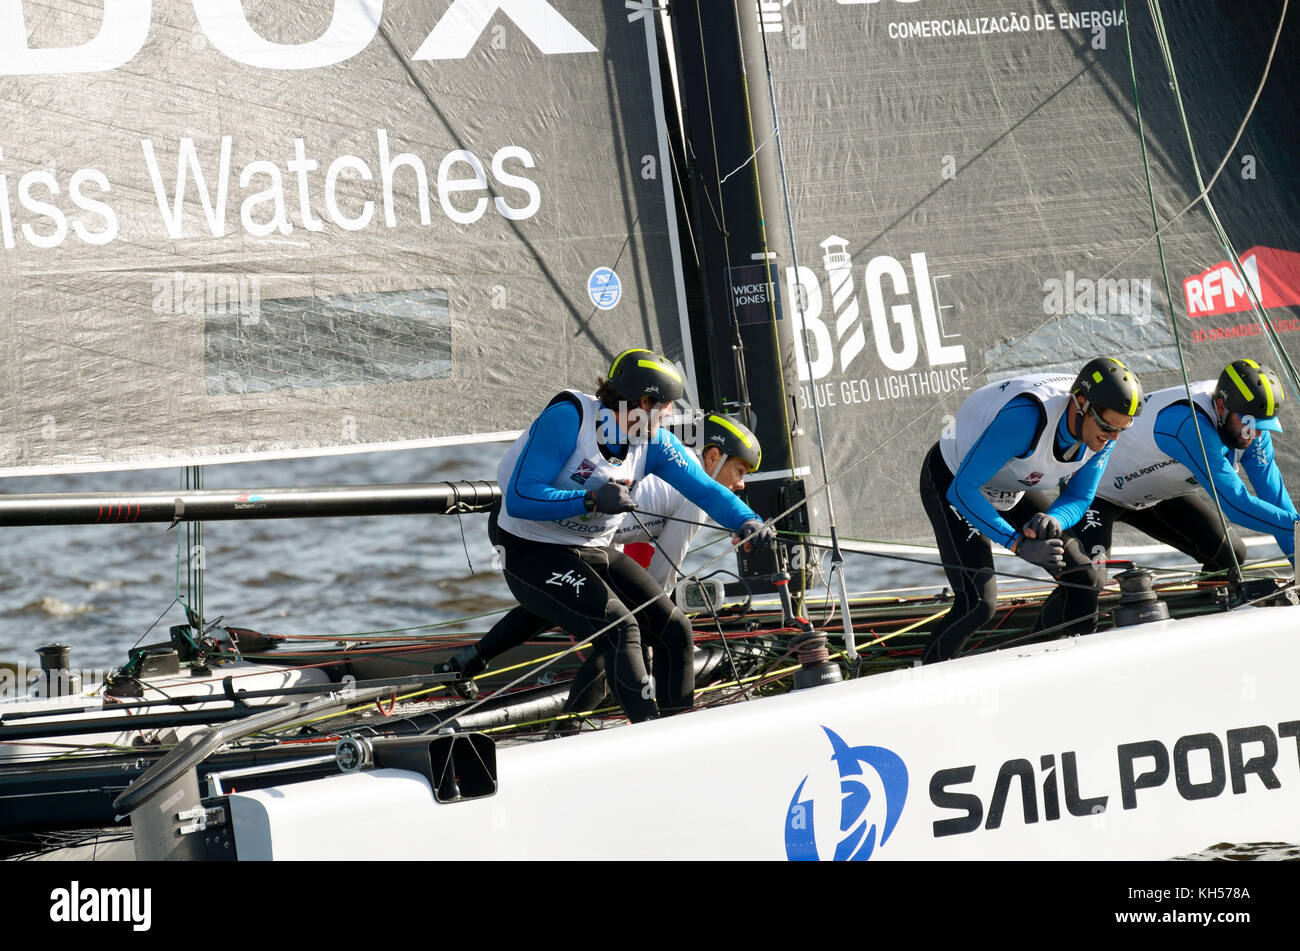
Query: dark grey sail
[968,190]
[234,230]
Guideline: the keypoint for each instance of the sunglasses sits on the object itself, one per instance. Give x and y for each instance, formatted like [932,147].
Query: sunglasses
[1104,426]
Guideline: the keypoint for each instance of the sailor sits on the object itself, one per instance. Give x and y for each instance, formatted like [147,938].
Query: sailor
[1011,441]
[1155,477]
[657,540]
[728,452]
[566,486]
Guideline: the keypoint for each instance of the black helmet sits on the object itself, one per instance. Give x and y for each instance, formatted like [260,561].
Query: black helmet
[733,437]
[638,373]
[1251,390]
[1107,384]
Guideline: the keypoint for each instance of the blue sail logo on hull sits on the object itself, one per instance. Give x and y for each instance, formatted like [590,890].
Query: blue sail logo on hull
[858,828]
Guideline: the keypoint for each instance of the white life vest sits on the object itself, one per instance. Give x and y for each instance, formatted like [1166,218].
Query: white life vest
[1040,469]
[1139,473]
[654,499]
[586,468]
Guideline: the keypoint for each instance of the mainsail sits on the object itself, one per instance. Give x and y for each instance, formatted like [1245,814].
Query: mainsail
[968,187]
[237,229]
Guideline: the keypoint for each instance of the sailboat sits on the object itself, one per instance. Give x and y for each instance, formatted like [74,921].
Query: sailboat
[478,203]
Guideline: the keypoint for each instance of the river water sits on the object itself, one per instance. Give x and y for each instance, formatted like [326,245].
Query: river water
[98,588]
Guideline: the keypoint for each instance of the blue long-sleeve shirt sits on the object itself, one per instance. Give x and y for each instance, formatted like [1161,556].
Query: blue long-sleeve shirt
[1269,510]
[550,442]
[1012,434]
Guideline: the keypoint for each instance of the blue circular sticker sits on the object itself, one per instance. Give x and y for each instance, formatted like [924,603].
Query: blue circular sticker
[604,288]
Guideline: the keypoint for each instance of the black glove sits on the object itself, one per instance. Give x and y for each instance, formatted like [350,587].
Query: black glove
[1046,553]
[611,498]
[763,535]
[1042,525]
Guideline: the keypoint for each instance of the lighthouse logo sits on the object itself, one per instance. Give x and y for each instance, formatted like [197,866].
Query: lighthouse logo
[848,328]
[871,803]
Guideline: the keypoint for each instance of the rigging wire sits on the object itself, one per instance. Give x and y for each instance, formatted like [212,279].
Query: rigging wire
[1164,270]
[708,598]
[786,402]
[154,624]
[1204,193]
[1234,258]
[872,554]
[1001,356]
[837,557]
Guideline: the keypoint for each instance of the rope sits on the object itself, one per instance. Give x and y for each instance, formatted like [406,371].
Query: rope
[708,599]
[1167,53]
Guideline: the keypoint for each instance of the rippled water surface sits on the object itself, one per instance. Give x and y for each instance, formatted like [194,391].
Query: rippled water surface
[99,587]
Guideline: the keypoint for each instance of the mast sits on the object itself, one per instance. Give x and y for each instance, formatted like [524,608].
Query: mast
[732,165]
[195,556]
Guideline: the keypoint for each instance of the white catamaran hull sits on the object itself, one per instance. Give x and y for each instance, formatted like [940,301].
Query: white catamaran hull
[1140,743]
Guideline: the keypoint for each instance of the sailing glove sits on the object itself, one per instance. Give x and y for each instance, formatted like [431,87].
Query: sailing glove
[763,535]
[611,498]
[1042,525]
[1046,553]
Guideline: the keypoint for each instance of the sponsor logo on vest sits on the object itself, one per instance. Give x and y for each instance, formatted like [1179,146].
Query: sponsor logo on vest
[583,472]
[1121,481]
[859,826]
[581,526]
[1202,765]
[568,578]
[77,904]
[1031,480]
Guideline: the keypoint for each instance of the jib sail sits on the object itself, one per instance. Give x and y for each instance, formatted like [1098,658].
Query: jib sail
[969,191]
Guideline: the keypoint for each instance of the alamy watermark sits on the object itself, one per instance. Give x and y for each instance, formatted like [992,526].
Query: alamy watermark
[639,426]
[63,685]
[932,687]
[182,294]
[78,903]
[1103,297]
